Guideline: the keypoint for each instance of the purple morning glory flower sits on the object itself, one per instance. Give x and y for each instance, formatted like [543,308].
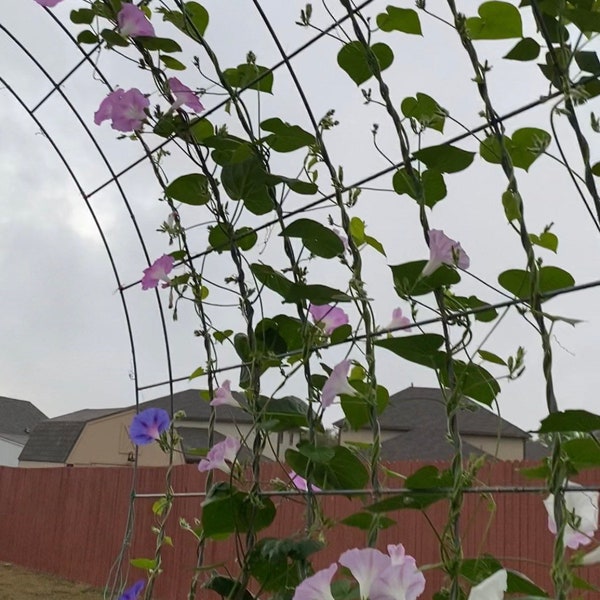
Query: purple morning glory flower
[134,591]
[126,109]
[147,426]
[184,96]
[48,3]
[133,22]
[444,251]
[328,317]
[158,271]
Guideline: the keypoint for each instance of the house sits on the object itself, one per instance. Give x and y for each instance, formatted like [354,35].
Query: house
[17,419]
[413,427]
[100,437]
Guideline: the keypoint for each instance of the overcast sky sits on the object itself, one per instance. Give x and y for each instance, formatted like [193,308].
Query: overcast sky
[65,344]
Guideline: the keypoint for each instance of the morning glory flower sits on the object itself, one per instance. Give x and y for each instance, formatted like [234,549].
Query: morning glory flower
[583,506]
[591,558]
[126,109]
[336,384]
[158,271]
[219,455]
[328,317]
[133,22]
[366,566]
[223,396]
[398,320]
[444,251]
[133,592]
[48,3]
[300,483]
[317,586]
[184,96]
[147,426]
[492,588]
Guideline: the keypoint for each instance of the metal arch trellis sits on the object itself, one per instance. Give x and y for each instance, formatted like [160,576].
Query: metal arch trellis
[124,287]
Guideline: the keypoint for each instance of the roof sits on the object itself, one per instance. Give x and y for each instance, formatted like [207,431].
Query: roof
[18,416]
[88,414]
[412,445]
[423,409]
[52,441]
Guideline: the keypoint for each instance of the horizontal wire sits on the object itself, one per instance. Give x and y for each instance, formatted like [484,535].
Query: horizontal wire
[248,86]
[493,489]
[458,138]
[433,320]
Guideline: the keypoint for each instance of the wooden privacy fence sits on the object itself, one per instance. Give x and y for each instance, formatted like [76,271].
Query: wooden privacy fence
[71,522]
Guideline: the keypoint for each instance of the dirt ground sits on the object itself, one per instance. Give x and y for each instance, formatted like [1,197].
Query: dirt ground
[20,584]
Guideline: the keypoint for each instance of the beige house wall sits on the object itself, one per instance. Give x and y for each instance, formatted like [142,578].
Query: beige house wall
[30,464]
[365,436]
[501,448]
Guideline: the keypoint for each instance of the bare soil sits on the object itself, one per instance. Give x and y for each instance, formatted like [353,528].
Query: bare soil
[17,583]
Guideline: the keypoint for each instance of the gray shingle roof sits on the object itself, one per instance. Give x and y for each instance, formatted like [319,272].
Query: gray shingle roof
[422,409]
[18,416]
[413,445]
[51,441]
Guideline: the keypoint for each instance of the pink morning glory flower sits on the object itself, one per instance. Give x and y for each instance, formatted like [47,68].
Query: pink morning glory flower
[398,320]
[158,271]
[444,251]
[218,456]
[336,384]
[492,588]
[300,483]
[126,109]
[147,426]
[317,586]
[184,96]
[223,396]
[133,592]
[133,22]
[366,566]
[48,3]
[584,506]
[400,580]
[328,317]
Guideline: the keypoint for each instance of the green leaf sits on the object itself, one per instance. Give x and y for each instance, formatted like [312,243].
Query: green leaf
[172,63]
[193,24]
[516,281]
[246,181]
[596,169]
[422,349]
[445,158]
[585,20]
[201,129]
[197,373]
[524,147]
[189,189]
[272,279]
[408,280]
[432,182]
[221,336]
[219,237]
[458,303]
[545,240]
[520,584]
[87,37]
[491,357]
[112,38]
[245,76]
[512,205]
[227,587]
[296,185]
[496,21]
[354,59]
[405,20]
[343,472]
[357,230]
[285,413]
[156,43]
[245,238]
[473,381]
[425,110]
[83,16]
[422,490]
[588,61]
[526,49]
[570,420]
[228,149]
[286,137]
[148,564]
[582,452]
[320,455]
[368,521]
[317,238]
[227,510]
[357,408]
[375,244]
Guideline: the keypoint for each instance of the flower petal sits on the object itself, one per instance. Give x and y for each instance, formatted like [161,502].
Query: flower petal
[147,426]
[492,588]
[318,586]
